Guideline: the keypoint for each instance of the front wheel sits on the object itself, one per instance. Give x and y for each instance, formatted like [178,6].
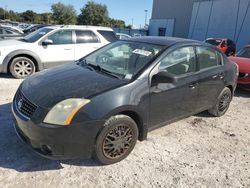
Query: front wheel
[22,67]
[222,104]
[116,140]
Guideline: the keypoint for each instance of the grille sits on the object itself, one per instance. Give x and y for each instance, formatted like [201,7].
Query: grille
[24,106]
[243,75]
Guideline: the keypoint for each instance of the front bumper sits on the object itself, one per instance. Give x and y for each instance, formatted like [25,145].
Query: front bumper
[56,142]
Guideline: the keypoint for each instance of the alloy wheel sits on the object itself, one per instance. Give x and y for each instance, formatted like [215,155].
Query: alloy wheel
[117,142]
[23,68]
[224,102]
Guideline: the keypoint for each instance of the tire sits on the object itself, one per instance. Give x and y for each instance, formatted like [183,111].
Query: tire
[222,104]
[22,67]
[116,140]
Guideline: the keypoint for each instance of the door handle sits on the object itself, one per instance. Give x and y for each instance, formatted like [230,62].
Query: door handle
[220,76]
[193,85]
[215,76]
[67,48]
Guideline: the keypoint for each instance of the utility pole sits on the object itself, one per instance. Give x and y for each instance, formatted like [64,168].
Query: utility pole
[146,17]
[5,10]
[132,23]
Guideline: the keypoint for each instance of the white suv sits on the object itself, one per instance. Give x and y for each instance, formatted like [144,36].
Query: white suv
[51,46]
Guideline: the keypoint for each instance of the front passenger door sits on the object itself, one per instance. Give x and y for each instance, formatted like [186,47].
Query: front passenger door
[60,51]
[170,101]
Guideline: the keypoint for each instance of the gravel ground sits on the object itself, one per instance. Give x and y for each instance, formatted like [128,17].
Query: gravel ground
[199,151]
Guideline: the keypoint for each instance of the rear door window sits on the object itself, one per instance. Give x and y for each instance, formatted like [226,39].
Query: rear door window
[108,35]
[207,57]
[179,62]
[86,37]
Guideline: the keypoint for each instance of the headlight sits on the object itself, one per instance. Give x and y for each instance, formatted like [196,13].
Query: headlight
[63,112]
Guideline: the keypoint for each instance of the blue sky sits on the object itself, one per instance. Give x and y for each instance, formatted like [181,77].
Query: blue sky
[118,9]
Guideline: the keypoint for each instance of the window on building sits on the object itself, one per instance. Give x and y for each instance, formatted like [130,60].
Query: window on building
[162,31]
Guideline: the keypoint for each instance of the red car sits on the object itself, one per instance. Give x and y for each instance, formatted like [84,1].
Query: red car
[242,59]
[227,46]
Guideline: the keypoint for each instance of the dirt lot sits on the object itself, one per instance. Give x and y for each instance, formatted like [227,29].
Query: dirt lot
[199,151]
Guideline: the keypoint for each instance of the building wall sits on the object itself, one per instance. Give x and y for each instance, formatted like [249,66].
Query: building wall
[221,19]
[201,19]
[157,24]
[165,11]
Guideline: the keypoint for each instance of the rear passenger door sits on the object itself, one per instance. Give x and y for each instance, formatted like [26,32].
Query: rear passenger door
[86,42]
[211,76]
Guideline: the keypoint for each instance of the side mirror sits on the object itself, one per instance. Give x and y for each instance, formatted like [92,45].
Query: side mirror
[164,77]
[47,42]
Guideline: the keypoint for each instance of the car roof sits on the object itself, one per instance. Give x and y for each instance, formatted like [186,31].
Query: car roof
[218,39]
[164,41]
[86,26]
[78,27]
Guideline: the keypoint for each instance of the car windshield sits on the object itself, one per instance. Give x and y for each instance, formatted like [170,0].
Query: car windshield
[214,42]
[245,52]
[33,37]
[122,59]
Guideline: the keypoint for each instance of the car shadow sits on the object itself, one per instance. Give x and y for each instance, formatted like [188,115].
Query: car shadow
[239,92]
[16,155]
[6,75]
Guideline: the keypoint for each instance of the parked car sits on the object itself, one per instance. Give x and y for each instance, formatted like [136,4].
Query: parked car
[51,46]
[8,33]
[12,28]
[137,35]
[122,36]
[99,106]
[227,46]
[242,59]
[33,28]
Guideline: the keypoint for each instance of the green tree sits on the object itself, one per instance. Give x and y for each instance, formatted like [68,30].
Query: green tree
[29,16]
[116,23]
[94,14]
[63,14]
[46,18]
[13,15]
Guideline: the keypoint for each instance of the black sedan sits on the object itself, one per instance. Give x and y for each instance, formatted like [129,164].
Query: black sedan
[101,105]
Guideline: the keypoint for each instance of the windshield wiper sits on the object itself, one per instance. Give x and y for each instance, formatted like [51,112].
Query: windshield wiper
[91,67]
[97,68]
[109,73]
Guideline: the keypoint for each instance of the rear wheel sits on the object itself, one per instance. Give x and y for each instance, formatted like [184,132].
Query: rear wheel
[116,140]
[22,67]
[222,104]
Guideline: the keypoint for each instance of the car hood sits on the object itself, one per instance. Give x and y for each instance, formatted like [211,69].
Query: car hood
[243,63]
[49,87]
[12,42]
